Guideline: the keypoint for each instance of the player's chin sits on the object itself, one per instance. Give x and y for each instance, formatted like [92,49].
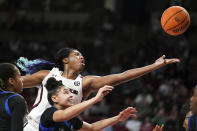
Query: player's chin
[80,69]
[70,103]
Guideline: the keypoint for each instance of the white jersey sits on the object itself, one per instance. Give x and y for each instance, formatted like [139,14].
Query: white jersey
[41,103]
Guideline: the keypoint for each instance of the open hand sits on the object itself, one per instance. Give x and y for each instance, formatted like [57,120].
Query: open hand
[162,61]
[125,114]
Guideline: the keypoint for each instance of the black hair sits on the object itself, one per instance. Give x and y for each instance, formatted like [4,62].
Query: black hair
[62,53]
[7,70]
[52,86]
[32,66]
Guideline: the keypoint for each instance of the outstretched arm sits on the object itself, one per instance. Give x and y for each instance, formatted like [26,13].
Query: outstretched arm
[97,126]
[75,110]
[34,79]
[95,82]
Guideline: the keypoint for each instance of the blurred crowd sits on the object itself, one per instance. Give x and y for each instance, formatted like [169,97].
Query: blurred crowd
[111,46]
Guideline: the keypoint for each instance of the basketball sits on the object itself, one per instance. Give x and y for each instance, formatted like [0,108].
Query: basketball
[175,20]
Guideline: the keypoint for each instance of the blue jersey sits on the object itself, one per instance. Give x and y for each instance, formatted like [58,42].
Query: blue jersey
[12,111]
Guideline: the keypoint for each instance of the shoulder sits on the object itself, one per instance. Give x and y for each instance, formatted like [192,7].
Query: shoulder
[49,111]
[17,102]
[47,115]
[17,99]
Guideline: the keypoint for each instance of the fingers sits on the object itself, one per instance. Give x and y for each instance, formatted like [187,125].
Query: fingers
[177,60]
[170,61]
[162,126]
[133,115]
[173,60]
[163,56]
[105,93]
[158,128]
[130,111]
[107,89]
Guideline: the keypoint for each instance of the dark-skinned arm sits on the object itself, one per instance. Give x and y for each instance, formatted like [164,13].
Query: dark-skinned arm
[91,83]
[34,79]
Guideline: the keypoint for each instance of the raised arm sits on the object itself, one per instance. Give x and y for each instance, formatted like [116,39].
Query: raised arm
[75,110]
[34,79]
[97,126]
[95,82]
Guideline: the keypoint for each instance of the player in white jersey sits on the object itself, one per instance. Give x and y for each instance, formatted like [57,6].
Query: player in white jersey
[71,63]
[42,103]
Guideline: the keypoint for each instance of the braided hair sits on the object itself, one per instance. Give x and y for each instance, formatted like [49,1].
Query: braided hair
[32,66]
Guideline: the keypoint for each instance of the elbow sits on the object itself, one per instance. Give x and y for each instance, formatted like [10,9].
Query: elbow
[91,128]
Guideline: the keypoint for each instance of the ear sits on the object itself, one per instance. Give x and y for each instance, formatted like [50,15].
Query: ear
[11,81]
[54,98]
[65,60]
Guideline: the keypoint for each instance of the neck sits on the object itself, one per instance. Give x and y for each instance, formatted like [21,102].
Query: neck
[11,89]
[59,107]
[69,73]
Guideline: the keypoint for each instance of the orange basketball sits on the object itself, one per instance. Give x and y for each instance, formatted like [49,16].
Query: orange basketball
[175,20]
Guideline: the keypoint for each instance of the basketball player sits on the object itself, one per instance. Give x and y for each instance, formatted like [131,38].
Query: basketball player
[63,113]
[69,63]
[190,122]
[13,106]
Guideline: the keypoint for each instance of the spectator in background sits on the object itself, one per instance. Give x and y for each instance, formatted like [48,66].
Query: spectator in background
[147,125]
[100,109]
[133,124]
[166,88]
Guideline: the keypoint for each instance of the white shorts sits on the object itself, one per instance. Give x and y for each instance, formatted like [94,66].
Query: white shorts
[31,126]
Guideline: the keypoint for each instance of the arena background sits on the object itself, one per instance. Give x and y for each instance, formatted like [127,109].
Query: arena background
[113,36]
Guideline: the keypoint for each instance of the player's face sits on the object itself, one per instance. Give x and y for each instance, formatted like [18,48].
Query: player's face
[64,97]
[17,82]
[76,61]
[193,102]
